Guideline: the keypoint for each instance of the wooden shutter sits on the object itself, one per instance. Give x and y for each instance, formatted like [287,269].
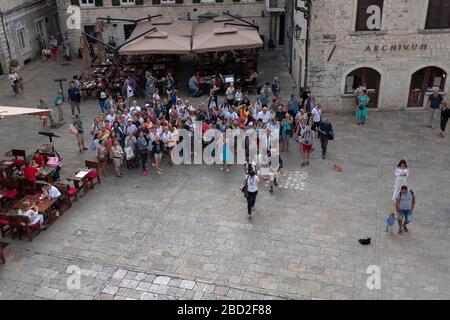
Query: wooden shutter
[139,2]
[361,13]
[75,2]
[116,3]
[178,1]
[156,1]
[438,15]
[99,3]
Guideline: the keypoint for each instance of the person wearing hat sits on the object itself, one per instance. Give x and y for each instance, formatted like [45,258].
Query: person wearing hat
[130,127]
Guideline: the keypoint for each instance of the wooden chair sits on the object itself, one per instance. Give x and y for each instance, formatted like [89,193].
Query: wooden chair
[72,192]
[10,189]
[27,187]
[23,225]
[2,255]
[66,201]
[94,174]
[19,158]
[5,224]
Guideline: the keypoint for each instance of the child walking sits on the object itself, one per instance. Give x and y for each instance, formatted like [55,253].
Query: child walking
[390,221]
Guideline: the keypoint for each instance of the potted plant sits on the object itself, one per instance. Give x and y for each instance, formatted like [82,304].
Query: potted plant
[14,63]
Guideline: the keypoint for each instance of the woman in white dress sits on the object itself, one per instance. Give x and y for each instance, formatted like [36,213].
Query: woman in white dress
[401,175]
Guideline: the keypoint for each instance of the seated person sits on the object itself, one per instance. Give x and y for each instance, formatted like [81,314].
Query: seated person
[193,86]
[39,160]
[33,215]
[53,192]
[30,172]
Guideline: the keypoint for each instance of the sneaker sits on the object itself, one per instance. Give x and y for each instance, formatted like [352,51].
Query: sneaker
[271,190]
[303,164]
[249,216]
[323,157]
[275,183]
[228,170]
[400,231]
[307,163]
[57,213]
[86,149]
[221,169]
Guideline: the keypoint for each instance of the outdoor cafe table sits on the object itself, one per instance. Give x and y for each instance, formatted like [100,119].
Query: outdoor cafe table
[44,206]
[6,167]
[79,179]
[46,174]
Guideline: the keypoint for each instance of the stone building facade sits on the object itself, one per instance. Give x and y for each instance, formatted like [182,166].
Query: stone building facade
[251,10]
[399,49]
[22,23]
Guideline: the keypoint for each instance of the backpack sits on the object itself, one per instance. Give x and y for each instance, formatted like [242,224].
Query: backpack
[93,145]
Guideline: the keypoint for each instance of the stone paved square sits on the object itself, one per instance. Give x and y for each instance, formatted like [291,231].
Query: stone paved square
[185,234]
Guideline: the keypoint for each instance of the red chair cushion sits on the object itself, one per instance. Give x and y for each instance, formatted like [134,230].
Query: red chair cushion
[4,222]
[36,225]
[72,191]
[92,175]
[10,194]
[18,162]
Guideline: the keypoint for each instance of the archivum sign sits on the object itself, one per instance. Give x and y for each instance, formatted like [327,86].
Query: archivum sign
[396,47]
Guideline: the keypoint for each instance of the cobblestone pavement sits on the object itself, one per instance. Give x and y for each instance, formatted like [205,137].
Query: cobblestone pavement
[185,234]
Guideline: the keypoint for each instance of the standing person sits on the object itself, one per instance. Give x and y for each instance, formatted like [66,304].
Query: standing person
[286,132]
[401,175]
[251,184]
[276,87]
[101,100]
[434,104]
[54,47]
[305,96]
[45,119]
[325,134]
[445,115]
[157,149]
[406,201]
[78,124]
[362,114]
[59,100]
[142,145]
[230,94]
[293,106]
[128,92]
[118,155]
[308,107]
[390,221]
[15,81]
[307,139]
[66,48]
[74,95]
[102,156]
[316,113]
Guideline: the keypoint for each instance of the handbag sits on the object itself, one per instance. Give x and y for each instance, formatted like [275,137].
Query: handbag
[330,135]
[245,188]
[129,153]
[73,130]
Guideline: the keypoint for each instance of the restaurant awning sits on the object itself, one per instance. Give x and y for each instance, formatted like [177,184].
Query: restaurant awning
[15,111]
[227,39]
[171,37]
[158,42]
[223,33]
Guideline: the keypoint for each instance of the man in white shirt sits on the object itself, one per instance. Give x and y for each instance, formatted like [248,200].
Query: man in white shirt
[264,116]
[130,127]
[54,193]
[111,117]
[230,94]
[316,116]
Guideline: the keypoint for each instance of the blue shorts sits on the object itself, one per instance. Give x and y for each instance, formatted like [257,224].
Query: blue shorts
[405,214]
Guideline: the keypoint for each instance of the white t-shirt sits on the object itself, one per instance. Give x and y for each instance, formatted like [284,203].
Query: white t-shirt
[252,183]
[130,93]
[316,114]
[265,117]
[53,192]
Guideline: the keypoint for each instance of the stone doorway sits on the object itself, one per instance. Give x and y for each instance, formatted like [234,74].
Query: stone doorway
[422,83]
[369,77]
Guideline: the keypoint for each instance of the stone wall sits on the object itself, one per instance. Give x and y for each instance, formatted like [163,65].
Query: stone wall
[249,10]
[391,51]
